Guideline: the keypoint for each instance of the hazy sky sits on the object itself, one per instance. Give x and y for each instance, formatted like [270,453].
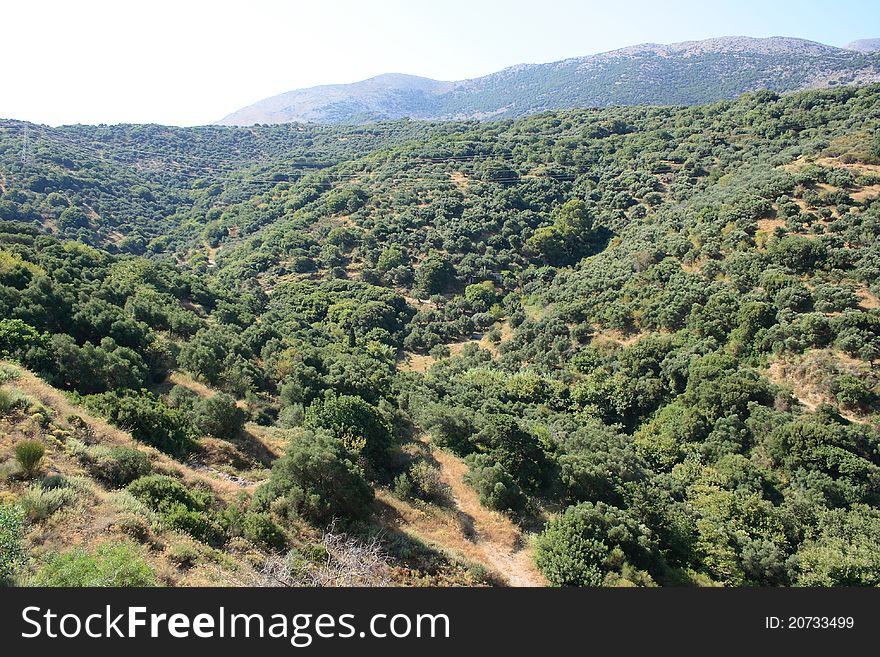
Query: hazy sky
[187,62]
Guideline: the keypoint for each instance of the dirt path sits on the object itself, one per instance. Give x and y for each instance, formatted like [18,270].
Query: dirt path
[485,536]
[502,544]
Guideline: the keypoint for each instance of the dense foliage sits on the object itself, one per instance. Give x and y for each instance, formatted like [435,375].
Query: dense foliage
[661,321]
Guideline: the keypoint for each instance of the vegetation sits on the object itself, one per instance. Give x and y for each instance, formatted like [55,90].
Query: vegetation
[12,554]
[317,479]
[112,564]
[29,454]
[661,323]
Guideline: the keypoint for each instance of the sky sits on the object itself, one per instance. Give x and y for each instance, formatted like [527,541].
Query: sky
[189,62]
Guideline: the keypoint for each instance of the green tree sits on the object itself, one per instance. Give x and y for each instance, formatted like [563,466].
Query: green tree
[434,274]
[588,542]
[359,425]
[317,479]
[219,416]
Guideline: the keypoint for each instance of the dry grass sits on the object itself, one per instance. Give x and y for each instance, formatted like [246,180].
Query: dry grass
[770,225]
[416,363]
[808,378]
[867,299]
[495,540]
[197,387]
[616,337]
[422,363]
[866,192]
[96,516]
[459,179]
[107,434]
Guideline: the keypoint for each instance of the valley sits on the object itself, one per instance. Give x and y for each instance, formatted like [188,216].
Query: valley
[602,346]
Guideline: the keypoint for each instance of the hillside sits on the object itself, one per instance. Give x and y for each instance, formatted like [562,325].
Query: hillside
[687,73]
[77,508]
[864,45]
[389,96]
[627,346]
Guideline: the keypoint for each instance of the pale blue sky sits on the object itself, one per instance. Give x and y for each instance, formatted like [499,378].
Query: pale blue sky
[186,62]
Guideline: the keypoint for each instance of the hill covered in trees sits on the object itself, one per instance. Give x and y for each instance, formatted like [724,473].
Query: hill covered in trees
[622,346]
[686,73]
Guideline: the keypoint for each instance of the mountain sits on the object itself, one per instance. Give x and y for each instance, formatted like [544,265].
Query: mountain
[864,45]
[687,73]
[392,95]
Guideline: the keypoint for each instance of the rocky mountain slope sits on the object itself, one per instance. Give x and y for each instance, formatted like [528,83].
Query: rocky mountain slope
[686,73]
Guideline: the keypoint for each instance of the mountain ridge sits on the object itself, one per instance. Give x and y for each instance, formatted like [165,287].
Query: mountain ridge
[687,72]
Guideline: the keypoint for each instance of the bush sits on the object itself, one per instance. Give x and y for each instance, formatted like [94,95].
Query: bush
[161,491]
[182,555]
[39,503]
[451,427]
[29,455]
[12,554]
[589,542]
[291,416]
[496,488]
[112,564]
[11,400]
[197,524]
[358,424]
[422,481]
[181,508]
[8,373]
[318,479]
[260,529]
[218,416]
[854,393]
[148,419]
[121,466]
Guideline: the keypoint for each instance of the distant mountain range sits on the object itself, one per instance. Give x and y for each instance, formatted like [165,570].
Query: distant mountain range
[686,73]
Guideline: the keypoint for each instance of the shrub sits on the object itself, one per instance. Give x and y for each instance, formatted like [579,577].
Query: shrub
[148,419]
[12,553]
[126,503]
[496,488]
[318,480]
[112,564]
[181,508]
[182,555]
[218,416]
[450,427]
[358,424]
[291,416]
[135,526]
[195,523]
[516,449]
[422,481]
[403,486]
[29,454]
[39,503]
[8,373]
[853,392]
[259,528]
[120,466]
[160,491]
[11,400]
[588,542]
